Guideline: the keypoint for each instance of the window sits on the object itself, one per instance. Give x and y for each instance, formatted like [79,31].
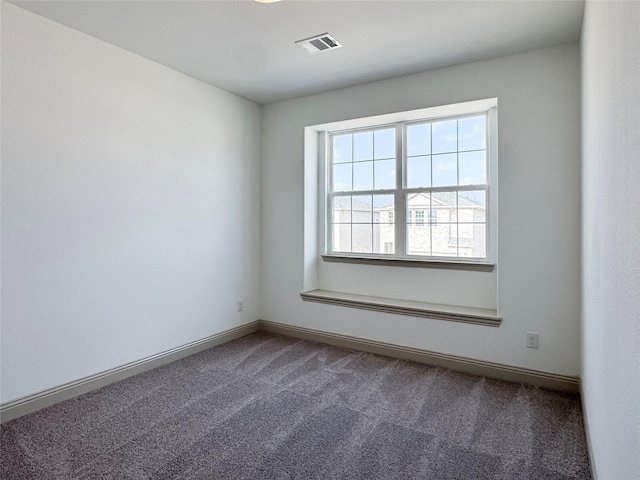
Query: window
[433,172]
[433,216]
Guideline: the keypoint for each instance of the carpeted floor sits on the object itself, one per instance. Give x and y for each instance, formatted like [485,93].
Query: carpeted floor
[270,407]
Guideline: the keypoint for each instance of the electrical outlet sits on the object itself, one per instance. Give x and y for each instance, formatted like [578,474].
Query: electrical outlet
[240,305]
[532,340]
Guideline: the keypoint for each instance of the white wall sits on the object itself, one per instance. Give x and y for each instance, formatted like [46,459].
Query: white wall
[118,174]
[611,236]
[539,215]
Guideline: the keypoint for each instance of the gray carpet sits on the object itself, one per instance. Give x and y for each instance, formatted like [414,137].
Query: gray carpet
[270,407]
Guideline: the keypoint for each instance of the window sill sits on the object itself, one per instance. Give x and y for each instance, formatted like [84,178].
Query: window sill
[403,262]
[477,316]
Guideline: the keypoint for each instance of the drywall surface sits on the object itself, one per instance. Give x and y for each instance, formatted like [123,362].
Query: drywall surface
[538,273]
[611,236]
[130,206]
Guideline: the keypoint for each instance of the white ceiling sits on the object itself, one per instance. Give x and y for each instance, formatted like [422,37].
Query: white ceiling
[248,48]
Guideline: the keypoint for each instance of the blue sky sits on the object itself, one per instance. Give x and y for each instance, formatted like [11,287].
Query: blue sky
[439,154]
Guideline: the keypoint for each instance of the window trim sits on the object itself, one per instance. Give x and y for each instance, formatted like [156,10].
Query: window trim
[478,316]
[460,110]
[363,259]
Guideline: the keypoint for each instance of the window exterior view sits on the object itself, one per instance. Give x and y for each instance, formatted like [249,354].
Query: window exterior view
[410,190]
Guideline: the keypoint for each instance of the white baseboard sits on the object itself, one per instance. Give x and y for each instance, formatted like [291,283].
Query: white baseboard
[32,403]
[587,435]
[510,373]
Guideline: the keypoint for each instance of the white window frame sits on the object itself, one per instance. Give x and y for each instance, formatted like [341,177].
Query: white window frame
[487,106]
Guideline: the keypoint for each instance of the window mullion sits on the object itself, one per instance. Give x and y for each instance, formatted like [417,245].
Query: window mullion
[328,192]
[400,201]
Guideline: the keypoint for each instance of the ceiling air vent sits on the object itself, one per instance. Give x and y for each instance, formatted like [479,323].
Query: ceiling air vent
[319,43]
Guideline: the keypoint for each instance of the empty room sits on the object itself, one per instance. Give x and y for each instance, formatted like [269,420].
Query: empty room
[309,239]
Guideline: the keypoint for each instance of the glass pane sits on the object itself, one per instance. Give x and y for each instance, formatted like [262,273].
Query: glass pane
[445,240]
[383,246]
[479,241]
[432,216]
[472,133]
[418,172]
[361,209]
[376,244]
[341,210]
[342,148]
[445,136]
[445,201]
[444,205]
[363,176]
[362,238]
[362,146]
[342,177]
[419,139]
[473,168]
[341,237]
[385,143]
[465,239]
[472,240]
[418,205]
[383,209]
[418,240]
[385,174]
[445,170]
[384,215]
[472,206]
